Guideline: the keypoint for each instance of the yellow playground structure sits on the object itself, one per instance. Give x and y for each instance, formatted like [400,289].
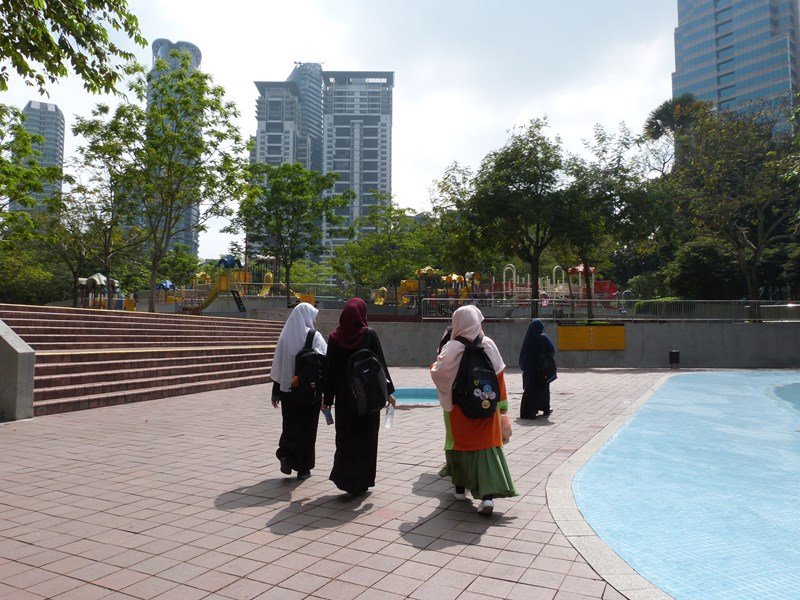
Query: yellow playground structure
[429,283]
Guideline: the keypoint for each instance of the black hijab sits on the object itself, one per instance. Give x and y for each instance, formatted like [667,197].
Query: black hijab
[531,346]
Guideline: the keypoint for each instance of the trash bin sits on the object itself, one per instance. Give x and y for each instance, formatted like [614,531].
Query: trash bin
[129,304]
[118,304]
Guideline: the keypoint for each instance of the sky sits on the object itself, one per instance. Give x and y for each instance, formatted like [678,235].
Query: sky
[466,72]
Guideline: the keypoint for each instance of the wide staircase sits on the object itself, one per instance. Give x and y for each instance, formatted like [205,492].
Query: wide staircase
[90,358]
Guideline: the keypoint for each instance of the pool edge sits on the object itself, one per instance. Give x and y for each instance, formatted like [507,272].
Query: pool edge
[561,502]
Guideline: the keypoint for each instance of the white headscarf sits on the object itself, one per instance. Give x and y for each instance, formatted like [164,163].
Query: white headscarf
[466,324]
[291,341]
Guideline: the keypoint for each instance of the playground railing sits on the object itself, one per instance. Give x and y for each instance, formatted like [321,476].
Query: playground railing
[573,310]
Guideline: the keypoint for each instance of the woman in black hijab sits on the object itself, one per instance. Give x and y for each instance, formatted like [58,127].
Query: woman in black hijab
[356,458]
[536,389]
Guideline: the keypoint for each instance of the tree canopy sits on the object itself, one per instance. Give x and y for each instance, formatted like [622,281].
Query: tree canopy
[42,40]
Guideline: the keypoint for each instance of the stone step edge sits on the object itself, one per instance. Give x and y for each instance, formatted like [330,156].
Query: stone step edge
[42,407]
[145,382]
[63,368]
[63,310]
[142,372]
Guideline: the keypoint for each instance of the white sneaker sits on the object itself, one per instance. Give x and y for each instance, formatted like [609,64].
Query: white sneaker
[459,496]
[486,507]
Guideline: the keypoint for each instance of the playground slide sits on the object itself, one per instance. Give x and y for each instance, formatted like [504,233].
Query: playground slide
[212,295]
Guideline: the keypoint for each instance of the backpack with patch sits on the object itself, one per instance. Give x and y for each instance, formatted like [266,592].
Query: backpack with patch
[476,388]
[546,371]
[309,373]
[367,380]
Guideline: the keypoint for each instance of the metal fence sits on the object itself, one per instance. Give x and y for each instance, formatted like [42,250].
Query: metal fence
[566,310]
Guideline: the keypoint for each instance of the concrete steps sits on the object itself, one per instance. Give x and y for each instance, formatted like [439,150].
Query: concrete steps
[90,358]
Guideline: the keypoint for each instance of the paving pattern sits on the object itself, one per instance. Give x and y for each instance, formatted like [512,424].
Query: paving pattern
[182,498]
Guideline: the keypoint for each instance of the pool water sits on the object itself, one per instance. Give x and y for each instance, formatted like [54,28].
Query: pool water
[416,396]
[700,491]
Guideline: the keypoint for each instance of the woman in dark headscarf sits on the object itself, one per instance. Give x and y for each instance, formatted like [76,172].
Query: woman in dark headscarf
[356,458]
[536,394]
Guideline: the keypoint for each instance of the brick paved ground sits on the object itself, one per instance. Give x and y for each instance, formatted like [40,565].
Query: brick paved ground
[181,498]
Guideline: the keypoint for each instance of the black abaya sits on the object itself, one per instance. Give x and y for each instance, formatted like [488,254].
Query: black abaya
[536,394]
[356,457]
[299,434]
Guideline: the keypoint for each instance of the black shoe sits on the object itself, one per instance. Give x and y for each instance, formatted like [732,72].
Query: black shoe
[285,468]
[303,475]
[548,412]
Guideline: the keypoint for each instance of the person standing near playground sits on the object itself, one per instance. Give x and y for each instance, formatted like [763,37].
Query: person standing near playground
[356,458]
[300,419]
[473,446]
[535,384]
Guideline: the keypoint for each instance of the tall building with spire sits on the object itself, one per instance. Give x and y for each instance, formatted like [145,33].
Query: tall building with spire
[737,53]
[188,234]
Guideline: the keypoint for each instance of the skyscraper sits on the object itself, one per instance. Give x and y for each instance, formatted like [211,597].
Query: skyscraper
[735,53]
[47,121]
[188,234]
[278,133]
[357,134]
[308,77]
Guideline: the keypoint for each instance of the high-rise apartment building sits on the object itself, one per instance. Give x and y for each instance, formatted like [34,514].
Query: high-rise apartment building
[45,120]
[735,53]
[357,140]
[278,134]
[188,234]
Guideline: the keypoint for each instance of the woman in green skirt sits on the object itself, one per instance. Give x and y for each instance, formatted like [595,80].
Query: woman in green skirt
[473,446]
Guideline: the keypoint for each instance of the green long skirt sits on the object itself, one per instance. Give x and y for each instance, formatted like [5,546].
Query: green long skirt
[482,472]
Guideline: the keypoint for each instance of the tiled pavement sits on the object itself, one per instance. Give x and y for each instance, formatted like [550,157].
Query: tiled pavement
[181,498]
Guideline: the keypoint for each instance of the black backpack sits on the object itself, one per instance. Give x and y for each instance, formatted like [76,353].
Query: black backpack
[367,379]
[476,389]
[309,373]
[547,371]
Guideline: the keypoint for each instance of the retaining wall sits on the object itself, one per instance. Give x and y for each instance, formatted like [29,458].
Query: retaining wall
[711,345]
[17,361]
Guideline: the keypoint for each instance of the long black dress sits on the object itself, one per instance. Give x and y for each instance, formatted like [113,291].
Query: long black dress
[299,434]
[536,395]
[356,458]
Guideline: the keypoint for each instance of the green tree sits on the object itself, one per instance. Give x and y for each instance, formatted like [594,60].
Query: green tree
[387,250]
[734,178]
[456,243]
[180,266]
[20,173]
[604,199]
[112,212]
[703,269]
[518,200]
[42,40]
[284,211]
[186,155]
[65,232]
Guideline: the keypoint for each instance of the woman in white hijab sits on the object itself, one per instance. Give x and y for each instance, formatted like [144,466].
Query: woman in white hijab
[473,447]
[299,436]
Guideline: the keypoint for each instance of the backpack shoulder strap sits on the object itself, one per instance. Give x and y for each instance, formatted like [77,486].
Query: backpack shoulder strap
[310,339]
[474,342]
[366,338]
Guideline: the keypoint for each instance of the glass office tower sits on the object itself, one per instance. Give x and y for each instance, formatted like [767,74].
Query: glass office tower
[736,53]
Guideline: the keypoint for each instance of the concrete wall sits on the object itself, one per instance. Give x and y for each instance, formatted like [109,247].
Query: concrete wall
[16,376]
[714,345]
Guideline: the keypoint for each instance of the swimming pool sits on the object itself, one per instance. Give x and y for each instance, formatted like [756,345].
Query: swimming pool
[700,491]
[416,396]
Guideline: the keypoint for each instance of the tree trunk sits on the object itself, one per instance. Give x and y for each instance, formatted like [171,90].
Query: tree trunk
[288,280]
[534,287]
[75,290]
[151,300]
[588,275]
[109,289]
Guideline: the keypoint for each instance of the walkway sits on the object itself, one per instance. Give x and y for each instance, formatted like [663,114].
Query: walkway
[181,498]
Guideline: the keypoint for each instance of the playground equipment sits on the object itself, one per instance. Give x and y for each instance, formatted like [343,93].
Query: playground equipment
[95,290]
[571,284]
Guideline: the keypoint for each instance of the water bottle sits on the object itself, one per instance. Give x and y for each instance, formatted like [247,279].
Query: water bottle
[389,417]
[328,415]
